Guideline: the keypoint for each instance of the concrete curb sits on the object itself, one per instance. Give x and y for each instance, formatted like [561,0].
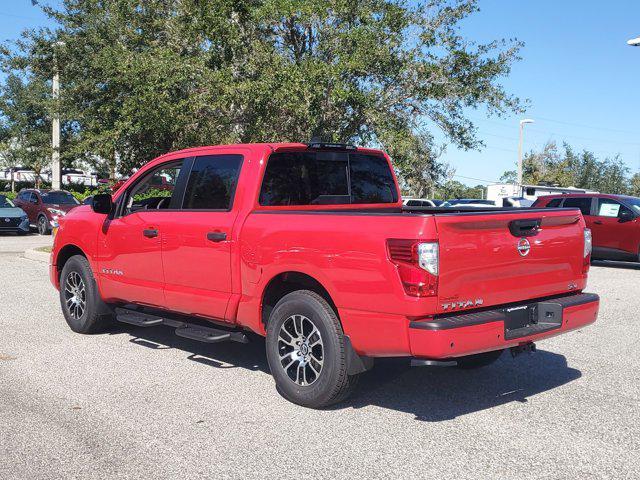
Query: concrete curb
[36,255]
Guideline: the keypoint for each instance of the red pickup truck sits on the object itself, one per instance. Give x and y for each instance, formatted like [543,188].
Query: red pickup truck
[309,245]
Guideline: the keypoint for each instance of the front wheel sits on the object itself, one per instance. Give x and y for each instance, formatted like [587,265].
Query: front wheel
[306,351]
[44,227]
[83,309]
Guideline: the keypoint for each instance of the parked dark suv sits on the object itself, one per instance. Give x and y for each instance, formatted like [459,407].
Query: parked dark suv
[45,207]
[613,220]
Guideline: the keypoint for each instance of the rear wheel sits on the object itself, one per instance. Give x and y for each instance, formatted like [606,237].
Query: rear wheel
[479,360]
[83,309]
[44,227]
[306,351]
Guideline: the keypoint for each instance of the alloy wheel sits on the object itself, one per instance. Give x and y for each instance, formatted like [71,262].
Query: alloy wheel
[75,295]
[42,225]
[301,350]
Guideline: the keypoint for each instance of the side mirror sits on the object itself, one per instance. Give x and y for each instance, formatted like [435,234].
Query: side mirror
[102,203]
[626,216]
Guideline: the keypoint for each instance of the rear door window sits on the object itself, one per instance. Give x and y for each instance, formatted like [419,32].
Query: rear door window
[610,208]
[212,182]
[583,203]
[554,203]
[327,178]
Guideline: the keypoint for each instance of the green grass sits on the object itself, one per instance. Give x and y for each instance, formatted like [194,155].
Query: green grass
[46,249]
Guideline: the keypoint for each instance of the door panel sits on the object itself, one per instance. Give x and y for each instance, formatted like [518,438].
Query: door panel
[197,269]
[610,232]
[130,262]
[130,245]
[29,208]
[197,243]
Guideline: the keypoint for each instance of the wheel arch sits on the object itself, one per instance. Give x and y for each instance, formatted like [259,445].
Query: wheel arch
[286,282]
[65,254]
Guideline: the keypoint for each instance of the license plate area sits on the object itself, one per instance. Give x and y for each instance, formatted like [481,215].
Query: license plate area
[531,319]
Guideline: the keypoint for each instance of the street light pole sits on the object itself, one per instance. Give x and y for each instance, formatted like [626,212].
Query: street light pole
[522,124]
[56,169]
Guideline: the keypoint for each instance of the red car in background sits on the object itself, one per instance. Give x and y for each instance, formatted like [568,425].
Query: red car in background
[45,207]
[613,220]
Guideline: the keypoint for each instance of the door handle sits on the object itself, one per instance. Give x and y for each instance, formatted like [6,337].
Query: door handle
[216,236]
[597,222]
[150,233]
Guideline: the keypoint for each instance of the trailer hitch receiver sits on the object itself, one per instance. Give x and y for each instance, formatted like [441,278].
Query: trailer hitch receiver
[528,347]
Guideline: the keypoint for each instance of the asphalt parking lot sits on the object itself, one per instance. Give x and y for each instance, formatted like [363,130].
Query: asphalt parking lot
[142,403]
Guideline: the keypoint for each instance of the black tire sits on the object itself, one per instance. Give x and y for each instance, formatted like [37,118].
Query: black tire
[332,384]
[479,360]
[95,316]
[43,225]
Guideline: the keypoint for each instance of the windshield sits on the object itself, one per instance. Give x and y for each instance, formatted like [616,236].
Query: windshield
[5,202]
[635,203]
[58,198]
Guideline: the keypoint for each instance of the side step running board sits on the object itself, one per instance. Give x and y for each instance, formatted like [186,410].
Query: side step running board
[138,319]
[183,329]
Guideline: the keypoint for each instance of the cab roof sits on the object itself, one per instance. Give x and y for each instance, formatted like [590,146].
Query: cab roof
[277,146]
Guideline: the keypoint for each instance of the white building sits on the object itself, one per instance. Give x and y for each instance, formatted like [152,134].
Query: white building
[498,192]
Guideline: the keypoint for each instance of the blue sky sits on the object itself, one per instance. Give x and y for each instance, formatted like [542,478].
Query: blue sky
[582,80]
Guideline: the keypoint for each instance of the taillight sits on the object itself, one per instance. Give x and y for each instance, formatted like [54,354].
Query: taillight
[586,252]
[418,265]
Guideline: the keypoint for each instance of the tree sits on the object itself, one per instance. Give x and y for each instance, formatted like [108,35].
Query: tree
[26,131]
[455,189]
[510,176]
[568,168]
[634,185]
[142,78]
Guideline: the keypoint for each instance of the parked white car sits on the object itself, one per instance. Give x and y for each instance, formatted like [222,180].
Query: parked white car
[422,202]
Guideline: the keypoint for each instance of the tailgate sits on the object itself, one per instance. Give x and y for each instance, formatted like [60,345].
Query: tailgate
[494,258]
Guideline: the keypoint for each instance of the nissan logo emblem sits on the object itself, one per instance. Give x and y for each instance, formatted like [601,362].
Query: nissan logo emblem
[7,219]
[524,247]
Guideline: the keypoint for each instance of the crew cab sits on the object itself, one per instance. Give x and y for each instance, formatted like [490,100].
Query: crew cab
[613,220]
[309,245]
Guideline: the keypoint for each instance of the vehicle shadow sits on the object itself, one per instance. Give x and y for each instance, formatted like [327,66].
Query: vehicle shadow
[431,394]
[615,264]
[435,394]
[220,355]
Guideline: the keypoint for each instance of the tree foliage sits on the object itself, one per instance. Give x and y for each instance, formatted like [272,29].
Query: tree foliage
[454,189]
[142,78]
[567,168]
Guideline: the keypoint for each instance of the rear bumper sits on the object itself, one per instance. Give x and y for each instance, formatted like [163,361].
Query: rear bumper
[467,334]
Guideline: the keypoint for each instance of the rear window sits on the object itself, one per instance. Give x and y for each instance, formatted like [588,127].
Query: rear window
[583,203]
[327,178]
